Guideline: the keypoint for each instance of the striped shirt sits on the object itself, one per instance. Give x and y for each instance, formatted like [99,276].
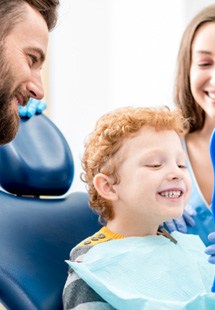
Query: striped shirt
[77,295]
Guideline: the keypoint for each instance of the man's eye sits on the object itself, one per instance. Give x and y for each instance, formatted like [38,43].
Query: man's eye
[33,59]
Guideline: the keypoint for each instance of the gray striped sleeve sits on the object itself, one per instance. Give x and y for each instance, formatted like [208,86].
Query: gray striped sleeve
[77,295]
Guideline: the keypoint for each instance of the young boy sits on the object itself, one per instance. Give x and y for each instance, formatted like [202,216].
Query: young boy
[136,174]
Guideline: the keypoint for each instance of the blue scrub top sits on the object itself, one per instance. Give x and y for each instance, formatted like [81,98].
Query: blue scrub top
[204,223]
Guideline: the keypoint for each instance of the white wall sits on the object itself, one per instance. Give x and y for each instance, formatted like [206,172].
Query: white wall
[110,53]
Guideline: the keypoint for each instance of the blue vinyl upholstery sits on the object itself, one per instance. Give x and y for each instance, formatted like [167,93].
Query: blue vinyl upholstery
[38,161]
[37,234]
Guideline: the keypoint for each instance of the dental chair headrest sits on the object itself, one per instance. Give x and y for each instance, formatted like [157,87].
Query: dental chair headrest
[38,161]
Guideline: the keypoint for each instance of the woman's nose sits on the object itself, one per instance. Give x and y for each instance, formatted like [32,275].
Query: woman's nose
[212,79]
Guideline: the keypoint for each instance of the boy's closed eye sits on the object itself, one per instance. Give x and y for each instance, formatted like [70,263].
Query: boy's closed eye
[158,165]
[153,165]
[182,166]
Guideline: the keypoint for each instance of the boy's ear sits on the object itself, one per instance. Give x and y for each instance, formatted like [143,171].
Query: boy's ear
[103,185]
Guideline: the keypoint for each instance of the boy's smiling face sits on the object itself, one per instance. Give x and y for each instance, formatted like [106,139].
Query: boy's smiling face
[154,182]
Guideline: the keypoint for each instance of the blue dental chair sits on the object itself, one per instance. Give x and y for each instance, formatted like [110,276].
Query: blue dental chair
[39,222]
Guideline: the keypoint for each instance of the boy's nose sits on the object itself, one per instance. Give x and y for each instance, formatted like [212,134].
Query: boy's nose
[175,173]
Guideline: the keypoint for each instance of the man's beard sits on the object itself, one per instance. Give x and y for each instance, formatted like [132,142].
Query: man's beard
[9,118]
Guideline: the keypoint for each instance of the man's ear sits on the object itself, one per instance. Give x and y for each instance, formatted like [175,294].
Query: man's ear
[103,185]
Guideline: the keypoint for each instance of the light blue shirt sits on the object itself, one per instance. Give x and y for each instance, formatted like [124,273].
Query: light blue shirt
[204,223]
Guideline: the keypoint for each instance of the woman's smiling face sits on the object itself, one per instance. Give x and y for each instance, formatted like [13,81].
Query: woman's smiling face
[202,71]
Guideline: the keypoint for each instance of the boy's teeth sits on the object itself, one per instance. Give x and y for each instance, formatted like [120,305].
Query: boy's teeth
[171,194]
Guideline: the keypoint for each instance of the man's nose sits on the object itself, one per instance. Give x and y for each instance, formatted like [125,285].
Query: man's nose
[35,86]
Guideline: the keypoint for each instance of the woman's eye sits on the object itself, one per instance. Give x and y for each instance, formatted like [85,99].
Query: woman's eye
[204,64]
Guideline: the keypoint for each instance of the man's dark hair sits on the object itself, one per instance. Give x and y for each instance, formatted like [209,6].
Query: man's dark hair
[11,12]
[47,9]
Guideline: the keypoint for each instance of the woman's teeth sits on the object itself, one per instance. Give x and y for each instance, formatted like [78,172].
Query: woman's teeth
[211,95]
